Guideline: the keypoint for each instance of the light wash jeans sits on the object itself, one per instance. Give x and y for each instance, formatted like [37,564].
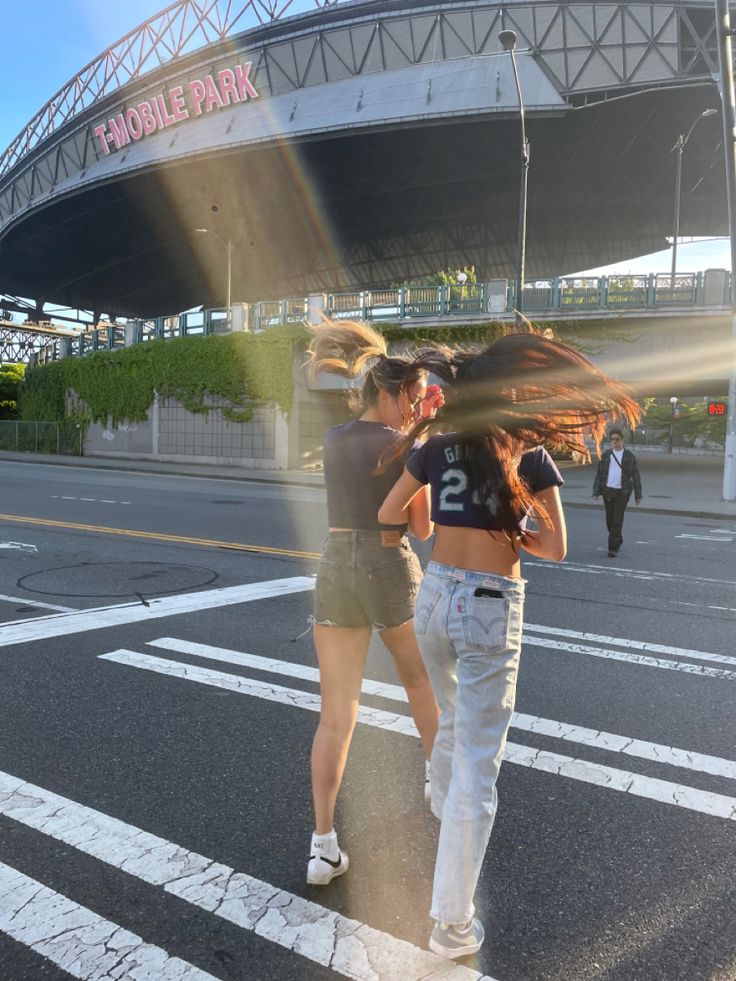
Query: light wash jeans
[468,626]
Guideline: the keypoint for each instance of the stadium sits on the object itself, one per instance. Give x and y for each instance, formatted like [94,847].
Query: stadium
[358,143]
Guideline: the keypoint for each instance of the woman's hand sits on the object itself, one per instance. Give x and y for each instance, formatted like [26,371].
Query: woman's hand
[432,401]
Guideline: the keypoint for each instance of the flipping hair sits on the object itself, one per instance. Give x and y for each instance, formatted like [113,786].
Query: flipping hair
[524,390]
[347,348]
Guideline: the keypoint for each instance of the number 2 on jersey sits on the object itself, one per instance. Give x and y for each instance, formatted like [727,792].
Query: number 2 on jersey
[456,484]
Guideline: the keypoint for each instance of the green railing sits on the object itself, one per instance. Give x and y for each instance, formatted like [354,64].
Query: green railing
[558,296]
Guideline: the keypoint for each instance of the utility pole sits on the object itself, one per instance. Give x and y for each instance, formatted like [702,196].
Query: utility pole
[725,59]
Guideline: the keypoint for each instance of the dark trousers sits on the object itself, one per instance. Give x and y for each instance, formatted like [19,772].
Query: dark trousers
[615,501]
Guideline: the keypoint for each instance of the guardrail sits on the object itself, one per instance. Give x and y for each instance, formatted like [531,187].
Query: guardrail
[495,298]
[492,299]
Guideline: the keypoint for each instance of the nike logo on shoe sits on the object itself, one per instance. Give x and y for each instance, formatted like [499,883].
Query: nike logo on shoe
[335,863]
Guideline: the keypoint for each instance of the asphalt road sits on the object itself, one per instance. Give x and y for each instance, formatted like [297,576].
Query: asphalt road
[157,704]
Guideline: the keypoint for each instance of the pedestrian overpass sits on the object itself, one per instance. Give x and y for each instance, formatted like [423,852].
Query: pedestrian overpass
[664,336]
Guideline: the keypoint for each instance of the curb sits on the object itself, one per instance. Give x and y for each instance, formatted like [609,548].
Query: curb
[717,515]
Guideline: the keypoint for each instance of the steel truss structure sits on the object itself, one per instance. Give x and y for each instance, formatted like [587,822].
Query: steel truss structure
[18,342]
[182,27]
[593,53]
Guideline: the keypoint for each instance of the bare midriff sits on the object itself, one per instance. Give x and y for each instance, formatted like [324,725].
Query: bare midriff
[476,549]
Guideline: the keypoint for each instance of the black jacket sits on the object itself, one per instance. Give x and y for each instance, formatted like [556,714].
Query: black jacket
[630,479]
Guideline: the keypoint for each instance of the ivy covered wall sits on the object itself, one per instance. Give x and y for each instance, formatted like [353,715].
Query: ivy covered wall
[118,386]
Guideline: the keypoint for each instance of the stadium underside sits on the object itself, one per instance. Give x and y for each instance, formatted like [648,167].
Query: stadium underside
[377,208]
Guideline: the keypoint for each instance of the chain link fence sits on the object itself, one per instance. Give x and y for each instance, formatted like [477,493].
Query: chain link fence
[41,437]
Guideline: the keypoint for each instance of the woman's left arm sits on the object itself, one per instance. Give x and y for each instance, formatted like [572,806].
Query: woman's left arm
[408,503]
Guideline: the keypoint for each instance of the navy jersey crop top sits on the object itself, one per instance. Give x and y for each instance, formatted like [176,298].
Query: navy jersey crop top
[354,491]
[441,464]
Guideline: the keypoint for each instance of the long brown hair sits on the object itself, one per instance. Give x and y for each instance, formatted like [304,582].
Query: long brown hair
[523,390]
[348,348]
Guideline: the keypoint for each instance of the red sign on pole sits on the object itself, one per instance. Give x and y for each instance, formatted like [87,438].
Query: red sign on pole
[717,409]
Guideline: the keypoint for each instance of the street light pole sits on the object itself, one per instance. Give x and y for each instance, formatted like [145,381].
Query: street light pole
[673,402]
[508,43]
[680,147]
[723,27]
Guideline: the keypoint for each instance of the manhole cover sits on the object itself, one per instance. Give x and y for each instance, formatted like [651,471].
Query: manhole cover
[111,579]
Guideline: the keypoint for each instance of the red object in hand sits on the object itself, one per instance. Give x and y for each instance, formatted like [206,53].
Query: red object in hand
[432,401]
[435,398]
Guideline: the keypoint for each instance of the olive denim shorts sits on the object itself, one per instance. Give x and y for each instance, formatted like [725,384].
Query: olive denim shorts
[362,583]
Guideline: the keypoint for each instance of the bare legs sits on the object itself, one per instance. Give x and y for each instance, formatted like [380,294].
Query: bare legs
[402,646]
[341,654]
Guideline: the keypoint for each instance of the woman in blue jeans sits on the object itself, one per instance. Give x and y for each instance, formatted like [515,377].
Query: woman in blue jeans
[488,474]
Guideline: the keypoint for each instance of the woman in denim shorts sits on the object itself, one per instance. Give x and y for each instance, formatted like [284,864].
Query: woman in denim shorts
[368,575]
[487,473]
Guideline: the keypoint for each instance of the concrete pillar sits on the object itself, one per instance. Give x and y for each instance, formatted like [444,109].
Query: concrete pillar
[239,318]
[714,287]
[65,347]
[316,303]
[130,332]
[497,296]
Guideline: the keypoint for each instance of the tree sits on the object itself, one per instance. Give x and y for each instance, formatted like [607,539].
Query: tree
[11,375]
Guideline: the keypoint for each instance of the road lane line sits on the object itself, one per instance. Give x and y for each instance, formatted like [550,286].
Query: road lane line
[61,625]
[41,606]
[703,801]
[609,741]
[158,536]
[638,659]
[77,940]
[640,645]
[319,934]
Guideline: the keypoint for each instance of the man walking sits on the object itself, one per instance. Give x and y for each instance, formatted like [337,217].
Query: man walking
[617,475]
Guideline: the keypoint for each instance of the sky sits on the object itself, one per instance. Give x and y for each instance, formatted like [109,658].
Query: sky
[54,39]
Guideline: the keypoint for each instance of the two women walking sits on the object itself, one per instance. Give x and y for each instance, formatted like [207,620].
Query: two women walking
[493,493]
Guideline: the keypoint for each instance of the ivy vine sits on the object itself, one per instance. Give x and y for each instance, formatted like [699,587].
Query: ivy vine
[114,386]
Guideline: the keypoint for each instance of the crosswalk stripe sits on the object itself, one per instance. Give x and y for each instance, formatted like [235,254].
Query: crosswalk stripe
[79,941]
[63,624]
[639,645]
[686,667]
[698,762]
[321,935]
[706,802]
[625,573]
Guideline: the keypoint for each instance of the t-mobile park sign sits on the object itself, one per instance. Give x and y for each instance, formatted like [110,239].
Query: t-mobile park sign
[199,96]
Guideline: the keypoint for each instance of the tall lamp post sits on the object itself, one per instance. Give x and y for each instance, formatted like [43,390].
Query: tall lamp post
[728,100]
[674,414]
[228,246]
[679,147]
[508,43]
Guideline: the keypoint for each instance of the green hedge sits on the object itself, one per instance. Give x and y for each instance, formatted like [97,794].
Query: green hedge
[121,385]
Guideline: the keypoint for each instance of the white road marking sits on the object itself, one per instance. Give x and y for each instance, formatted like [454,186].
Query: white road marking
[89,500]
[622,571]
[707,538]
[41,606]
[77,940]
[639,659]
[18,547]
[347,946]
[698,762]
[706,802]
[43,628]
[640,645]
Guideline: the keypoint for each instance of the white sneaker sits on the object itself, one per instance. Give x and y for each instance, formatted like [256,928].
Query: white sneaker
[427,783]
[326,861]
